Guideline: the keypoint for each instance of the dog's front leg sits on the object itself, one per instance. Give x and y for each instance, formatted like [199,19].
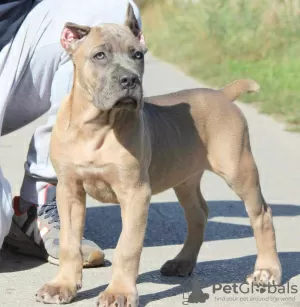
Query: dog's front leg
[122,290]
[71,205]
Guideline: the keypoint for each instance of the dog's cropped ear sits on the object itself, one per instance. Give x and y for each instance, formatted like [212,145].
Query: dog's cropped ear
[133,24]
[72,35]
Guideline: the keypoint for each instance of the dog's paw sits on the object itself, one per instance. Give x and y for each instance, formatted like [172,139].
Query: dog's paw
[178,267]
[55,293]
[264,277]
[111,299]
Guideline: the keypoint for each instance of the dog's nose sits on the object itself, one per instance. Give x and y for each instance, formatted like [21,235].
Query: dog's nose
[129,81]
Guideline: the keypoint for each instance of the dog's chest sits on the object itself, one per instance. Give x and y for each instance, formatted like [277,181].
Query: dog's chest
[97,182]
[100,191]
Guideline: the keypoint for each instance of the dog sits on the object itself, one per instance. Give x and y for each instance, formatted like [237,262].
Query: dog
[119,147]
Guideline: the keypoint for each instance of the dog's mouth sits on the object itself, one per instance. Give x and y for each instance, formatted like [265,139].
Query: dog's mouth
[126,103]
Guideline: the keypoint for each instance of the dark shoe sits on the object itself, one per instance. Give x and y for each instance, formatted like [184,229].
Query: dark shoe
[36,233]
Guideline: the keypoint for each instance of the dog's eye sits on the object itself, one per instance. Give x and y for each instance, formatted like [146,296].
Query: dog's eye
[138,55]
[99,56]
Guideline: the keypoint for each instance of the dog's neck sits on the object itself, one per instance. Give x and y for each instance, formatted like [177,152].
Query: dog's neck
[85,116]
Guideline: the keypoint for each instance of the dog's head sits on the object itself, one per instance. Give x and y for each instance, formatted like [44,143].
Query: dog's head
[109,62]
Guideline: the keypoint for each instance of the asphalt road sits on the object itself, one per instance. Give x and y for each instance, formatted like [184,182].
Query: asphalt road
[228,253]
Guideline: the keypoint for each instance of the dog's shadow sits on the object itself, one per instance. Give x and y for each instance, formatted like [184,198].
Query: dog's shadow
[208,273]
[167,226]
[168,219]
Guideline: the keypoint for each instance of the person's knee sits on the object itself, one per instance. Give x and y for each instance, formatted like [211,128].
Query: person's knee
[44,67]
[47,58]
[53,61]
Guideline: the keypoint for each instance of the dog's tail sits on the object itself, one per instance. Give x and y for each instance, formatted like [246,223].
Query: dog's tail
[233,90]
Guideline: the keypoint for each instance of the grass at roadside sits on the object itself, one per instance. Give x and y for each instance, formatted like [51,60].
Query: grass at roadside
[221,40]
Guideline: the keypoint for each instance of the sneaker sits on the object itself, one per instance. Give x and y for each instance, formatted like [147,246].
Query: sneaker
[36,233]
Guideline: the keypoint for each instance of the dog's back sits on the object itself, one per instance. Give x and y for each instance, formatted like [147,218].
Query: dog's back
[183,123]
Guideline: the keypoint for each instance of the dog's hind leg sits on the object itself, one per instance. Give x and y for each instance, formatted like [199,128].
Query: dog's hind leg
[196,212]
[237,166]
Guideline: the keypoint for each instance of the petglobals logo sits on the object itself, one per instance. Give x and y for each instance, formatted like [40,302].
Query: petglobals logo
[221,293]
[246,288]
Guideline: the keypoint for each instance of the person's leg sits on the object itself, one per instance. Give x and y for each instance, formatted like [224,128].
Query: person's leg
[49,69]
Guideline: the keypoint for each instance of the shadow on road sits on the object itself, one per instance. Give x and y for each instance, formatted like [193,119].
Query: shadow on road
[208,273]
[167,226]
[104,223]
[168,219]
[12,262]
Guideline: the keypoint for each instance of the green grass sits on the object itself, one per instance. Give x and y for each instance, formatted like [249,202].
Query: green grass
[219,41]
